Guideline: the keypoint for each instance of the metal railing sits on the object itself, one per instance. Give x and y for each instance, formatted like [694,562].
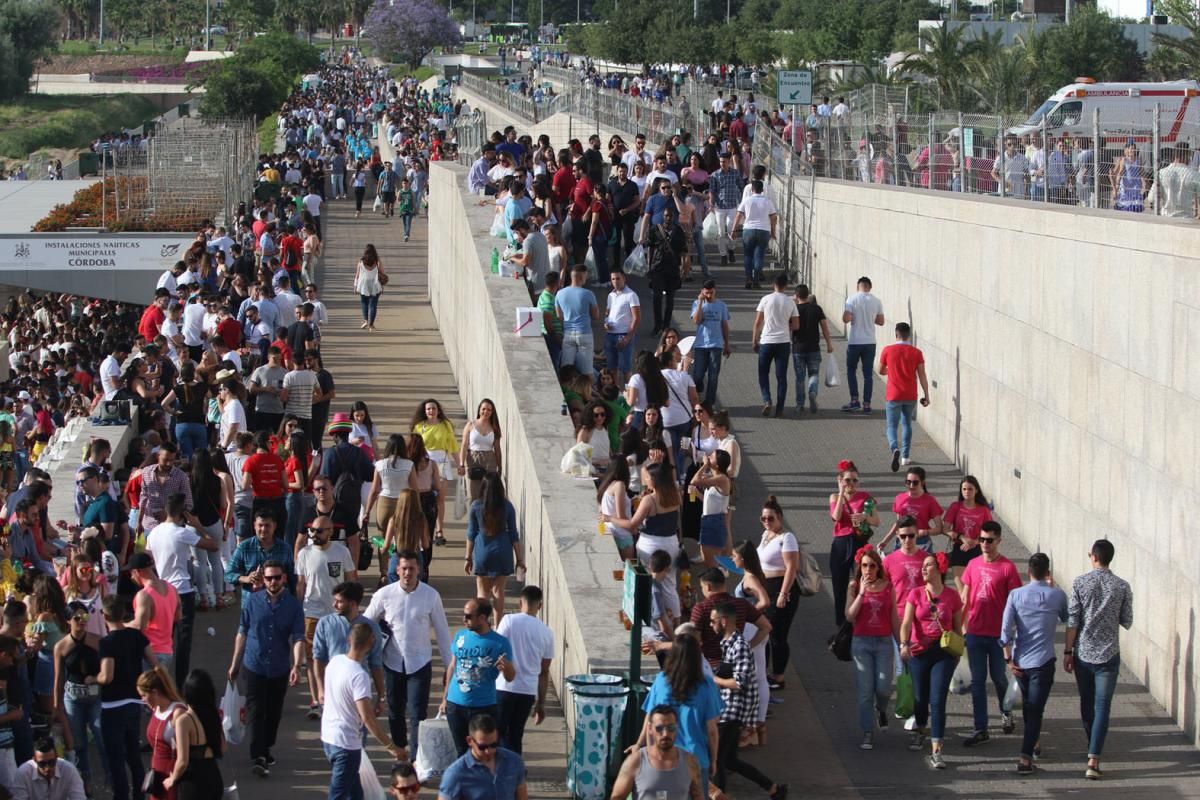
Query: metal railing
[502,94]
[470,134]
[791,185]
[615,110]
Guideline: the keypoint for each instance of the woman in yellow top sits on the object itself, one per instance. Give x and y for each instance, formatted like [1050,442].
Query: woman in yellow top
[437,432]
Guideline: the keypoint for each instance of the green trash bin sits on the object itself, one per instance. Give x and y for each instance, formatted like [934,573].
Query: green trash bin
[89,164]
[596,750]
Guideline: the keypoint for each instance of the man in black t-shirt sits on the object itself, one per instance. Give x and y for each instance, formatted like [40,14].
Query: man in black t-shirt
[322,397]
[122,652]
[806,346]
[301,336]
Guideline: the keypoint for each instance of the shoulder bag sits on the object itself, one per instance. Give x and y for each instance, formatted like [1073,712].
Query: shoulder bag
[951,642]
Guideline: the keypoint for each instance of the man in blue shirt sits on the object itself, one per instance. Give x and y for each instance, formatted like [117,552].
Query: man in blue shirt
[487,771]
[272,623]
[712,340]
[245,567]
[332,638]
[657,201]
[477,655]
[1031,615]
[576,306]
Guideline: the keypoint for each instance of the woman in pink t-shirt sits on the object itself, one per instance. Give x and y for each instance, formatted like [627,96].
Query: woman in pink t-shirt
[962,524]
[846,511]
[872,609]
[919,504]
[930,611]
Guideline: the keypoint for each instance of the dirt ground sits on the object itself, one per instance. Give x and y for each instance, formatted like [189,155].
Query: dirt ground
[100,62]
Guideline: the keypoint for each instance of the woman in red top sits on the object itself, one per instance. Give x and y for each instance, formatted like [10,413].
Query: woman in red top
[872,608]
[919,504]
[846,511]
[930,611]
[158,693]
[264,471]
[962,524]
[299,473]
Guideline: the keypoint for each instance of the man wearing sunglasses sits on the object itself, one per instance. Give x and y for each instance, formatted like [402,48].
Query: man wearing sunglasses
[486,771]
[45,776]
[272,624]
[660,769]
[478,655]
[986,585]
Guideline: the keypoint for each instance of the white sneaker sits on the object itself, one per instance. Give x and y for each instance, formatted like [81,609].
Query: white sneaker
[904,462]
[910,724]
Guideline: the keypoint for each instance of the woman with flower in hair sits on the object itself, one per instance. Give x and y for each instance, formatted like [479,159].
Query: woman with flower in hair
[850,513]
[872,608]
[930,611]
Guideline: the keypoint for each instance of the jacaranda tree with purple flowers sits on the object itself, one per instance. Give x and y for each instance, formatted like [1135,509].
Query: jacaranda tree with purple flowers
[408,30]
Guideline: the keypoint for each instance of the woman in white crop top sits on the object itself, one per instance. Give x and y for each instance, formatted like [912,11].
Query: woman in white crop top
[393,473]
[713,480]
[779,554]
[479,453]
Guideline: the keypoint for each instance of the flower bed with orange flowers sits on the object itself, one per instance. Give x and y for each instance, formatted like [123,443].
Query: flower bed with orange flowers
[89,208]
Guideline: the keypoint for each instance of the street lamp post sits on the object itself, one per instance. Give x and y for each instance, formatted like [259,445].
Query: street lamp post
[102,23]
[207,24]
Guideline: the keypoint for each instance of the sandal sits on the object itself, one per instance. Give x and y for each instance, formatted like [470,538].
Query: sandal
[440,539]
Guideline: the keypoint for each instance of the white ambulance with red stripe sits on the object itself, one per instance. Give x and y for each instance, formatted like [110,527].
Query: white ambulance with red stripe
[1126,111]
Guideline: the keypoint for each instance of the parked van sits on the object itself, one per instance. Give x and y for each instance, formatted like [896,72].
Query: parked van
[1126,111]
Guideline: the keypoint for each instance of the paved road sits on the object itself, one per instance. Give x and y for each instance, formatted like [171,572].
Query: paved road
[392,370]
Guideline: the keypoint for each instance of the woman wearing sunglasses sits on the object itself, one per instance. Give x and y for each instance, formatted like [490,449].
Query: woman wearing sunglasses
[930,611]
[86,587]
[698,444]
[594,431]
[76,665]
[779,555]
[847,509]
[872,609]
[919,504]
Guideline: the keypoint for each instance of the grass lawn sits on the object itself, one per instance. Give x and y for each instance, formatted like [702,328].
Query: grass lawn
[421,73]
[66,121]
[75,47]
[267,130]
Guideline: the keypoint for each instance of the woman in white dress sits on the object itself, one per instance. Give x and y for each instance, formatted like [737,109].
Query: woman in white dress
[369,280]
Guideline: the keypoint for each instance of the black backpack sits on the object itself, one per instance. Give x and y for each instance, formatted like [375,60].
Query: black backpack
[347,490]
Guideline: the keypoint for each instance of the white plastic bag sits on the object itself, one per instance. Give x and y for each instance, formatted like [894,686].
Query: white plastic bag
[372,788]
[1013,698]
[378,204]
[636,263]
[233,714]
[831,371]
[589,261]
[460,498]
[435,748]
[711,229]
[499,228]
[960,682]
[808,582]
[577,462]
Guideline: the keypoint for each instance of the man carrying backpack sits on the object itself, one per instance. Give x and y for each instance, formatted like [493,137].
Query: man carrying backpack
[291,251]
[347,468]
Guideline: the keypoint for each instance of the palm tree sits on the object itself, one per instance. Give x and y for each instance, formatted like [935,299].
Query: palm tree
[1186,51]
[1001,77]
[942,56]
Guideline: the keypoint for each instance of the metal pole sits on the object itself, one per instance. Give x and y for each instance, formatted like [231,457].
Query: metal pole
[929,171]
[962,155]
[1095,158]
[1002,155]
[1045,161]
[896,152]
[103,189]
[101,23]
[207,24]
[1156,142]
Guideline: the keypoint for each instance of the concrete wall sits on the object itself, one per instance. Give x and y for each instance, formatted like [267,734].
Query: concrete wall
[476,314]
[1063,346]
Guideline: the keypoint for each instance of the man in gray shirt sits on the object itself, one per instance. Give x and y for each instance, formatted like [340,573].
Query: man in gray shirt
[535,253]
[266,383]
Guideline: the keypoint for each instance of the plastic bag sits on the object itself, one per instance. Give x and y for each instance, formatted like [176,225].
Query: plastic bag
[372,788]
[831,371]
[435,748]
[904,694]
[1013,697]
[960,682]
[710,228]
[233,714]
[636,263]
[460,498]
[499,229]
[808,582]
[378,204]
[589,261]
[577,462]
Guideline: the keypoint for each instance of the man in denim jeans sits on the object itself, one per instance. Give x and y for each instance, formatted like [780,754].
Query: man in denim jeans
[1100,602]
[862,312]
[774,321]
[576,306]
[904,366]
[806,347]
[712,340]
[1027,634]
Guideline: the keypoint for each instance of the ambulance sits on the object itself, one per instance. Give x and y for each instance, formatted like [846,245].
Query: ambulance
[1126,112]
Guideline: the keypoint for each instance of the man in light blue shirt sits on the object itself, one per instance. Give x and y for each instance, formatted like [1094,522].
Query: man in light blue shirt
[576,306]
[1031,615]
[332,637]
[477,178]
[712,340]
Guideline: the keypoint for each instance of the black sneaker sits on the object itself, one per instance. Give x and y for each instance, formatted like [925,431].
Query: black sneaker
[976,738]
[895,461]
[883,719]
[1025,769]
[270,759]
[260,768]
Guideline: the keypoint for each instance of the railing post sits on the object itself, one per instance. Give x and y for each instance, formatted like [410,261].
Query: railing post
[1001,154]
[962,155]
[1156,144]
[929,163]
[1045,162]
[1096,158]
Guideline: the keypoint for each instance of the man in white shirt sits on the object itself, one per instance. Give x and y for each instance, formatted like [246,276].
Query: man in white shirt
[312,204]
[193,329]
[410,610]
[759,215]
[46,776]
[320,316]
[321,565]
[638,153]
[774,320]
[533,649]
[621,322]
[286,301]
[864,313]
[1180,184]
[348,708]
[169,280]
[110,370]
[660,171]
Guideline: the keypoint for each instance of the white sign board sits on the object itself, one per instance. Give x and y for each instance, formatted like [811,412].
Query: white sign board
[794,87]
[92,252]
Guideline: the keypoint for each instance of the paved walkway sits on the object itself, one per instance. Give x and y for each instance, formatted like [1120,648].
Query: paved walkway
[392,370]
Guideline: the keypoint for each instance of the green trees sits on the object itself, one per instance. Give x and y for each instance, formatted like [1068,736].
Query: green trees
[942,56]
[409,30]
[258,78]
[1093,44]
[26,35]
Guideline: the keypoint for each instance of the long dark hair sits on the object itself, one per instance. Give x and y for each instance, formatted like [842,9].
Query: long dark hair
[201,696]
[749,555]
[416,450]
[980,500]
[419,415]
[370,256]
[204,480]
[495,420]
[396,448]
[682,670]
[656,385]
[618,471]
[298,447]
[662,476]
[495,504]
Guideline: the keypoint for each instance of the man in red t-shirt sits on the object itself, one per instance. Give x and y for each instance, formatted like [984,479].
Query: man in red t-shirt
[228,328]
[986,584]
[291,253]
[262,473]
[563,183]
[154,315]
[904,365]
[581,201]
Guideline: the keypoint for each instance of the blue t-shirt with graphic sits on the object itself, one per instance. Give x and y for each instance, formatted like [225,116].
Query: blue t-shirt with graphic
[473,683]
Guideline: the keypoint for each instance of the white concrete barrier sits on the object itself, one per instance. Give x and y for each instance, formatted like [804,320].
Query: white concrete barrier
[1063,346]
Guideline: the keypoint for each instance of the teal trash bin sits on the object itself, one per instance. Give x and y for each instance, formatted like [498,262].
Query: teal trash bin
[596,751]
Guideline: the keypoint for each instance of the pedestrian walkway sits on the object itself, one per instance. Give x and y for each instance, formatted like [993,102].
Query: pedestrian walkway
[392,369]
[813,734]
